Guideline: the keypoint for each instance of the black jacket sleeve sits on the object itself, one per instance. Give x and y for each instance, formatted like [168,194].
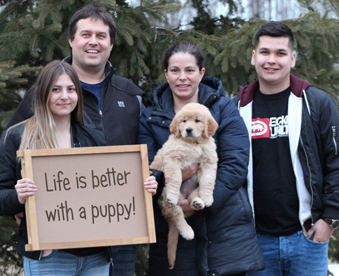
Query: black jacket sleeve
[25,109]
[10,172]
[329,126]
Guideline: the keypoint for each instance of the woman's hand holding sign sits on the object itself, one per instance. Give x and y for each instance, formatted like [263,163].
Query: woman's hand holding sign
[24,188]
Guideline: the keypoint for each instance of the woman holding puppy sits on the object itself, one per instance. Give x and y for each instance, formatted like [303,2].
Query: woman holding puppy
[225,241]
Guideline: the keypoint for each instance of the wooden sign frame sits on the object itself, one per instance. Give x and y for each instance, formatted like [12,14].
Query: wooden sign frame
[27,160]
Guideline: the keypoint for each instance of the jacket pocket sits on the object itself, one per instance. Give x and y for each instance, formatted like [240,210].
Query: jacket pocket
[335,139]
[246,204]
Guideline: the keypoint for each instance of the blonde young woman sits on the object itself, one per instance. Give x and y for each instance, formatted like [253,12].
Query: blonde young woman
[57,123]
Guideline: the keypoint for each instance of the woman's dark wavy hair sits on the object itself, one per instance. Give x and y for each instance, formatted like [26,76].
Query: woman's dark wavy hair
[184,47]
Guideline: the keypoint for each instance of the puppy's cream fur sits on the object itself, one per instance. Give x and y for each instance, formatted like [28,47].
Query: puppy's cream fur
[190,142]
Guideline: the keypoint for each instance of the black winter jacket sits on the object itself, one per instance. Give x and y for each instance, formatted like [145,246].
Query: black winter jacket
[10,172]
[121,105]
[314,139]
[225,241]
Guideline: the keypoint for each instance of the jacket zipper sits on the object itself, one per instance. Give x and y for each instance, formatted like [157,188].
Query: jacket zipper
[102,122]
[111,262]
[334,135]
[310,173]
[110,256]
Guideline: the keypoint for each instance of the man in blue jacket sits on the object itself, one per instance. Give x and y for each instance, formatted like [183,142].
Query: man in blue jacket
[293,179]
[112,104]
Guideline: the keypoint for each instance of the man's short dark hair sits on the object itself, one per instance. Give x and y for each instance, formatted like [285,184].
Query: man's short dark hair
[275,29]
[95,13]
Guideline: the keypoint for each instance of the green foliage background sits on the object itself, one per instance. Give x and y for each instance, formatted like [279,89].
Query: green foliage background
[34,32]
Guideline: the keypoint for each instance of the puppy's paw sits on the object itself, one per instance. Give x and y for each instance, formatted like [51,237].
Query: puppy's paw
[187,233]
[208,200]
[172,198]
[197,204]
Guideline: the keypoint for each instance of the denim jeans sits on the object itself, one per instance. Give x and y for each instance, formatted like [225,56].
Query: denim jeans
[293,255]
[65,264]
[124,257]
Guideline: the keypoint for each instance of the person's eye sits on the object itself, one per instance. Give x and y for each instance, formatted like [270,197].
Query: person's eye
[55,89]
[174,70]
[71,89]
[281,53]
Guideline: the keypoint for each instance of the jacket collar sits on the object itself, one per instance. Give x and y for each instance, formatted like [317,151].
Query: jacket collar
[247,92]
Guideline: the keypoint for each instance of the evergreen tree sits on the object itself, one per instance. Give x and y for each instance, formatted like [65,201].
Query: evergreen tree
[34,32]
[10,262]
[316,41]
[11,80]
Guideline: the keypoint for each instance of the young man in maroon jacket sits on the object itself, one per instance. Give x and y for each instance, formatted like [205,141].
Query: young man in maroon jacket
[293,177]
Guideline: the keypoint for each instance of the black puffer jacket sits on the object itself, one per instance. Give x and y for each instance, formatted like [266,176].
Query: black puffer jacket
[10,172]
[121,105]
[225,241]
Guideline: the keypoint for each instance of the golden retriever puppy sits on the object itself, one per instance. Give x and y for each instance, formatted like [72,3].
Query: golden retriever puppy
[191,142]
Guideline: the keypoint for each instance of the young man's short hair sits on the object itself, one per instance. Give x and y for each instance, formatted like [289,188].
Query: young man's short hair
[275,29]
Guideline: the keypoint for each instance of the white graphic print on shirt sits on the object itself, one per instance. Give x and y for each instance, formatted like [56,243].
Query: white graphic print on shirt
[272,128]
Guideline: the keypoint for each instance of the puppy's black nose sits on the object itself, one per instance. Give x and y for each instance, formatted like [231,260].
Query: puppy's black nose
[189,130]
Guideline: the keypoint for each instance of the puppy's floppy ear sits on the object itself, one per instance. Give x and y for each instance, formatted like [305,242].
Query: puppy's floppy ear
[174,127]
[211,126]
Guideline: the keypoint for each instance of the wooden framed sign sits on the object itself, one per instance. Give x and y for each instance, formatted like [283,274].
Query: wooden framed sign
[88,197]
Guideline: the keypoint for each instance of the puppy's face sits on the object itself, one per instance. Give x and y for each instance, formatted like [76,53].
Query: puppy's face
[191,124]
[193,121]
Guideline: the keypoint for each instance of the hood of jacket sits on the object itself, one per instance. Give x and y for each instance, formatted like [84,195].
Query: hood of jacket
[247,92]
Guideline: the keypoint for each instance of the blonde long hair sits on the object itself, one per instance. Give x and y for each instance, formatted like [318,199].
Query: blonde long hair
[39,131]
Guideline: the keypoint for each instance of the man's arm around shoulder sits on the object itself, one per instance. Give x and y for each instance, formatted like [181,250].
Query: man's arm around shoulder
[24,109]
